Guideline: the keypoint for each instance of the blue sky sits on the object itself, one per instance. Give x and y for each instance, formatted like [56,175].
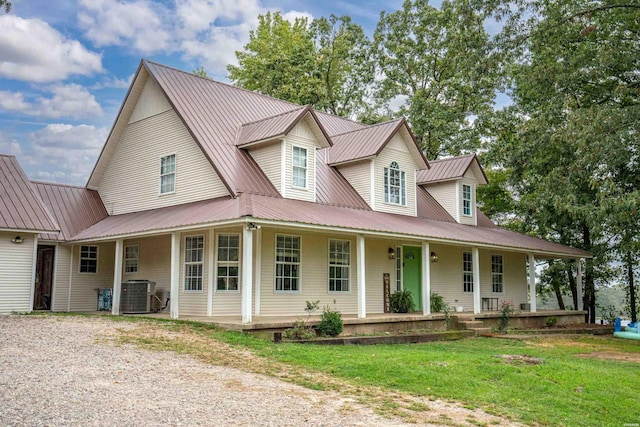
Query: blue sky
[65,65]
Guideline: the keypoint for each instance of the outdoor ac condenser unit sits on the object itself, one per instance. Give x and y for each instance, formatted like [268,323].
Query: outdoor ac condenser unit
[136,296]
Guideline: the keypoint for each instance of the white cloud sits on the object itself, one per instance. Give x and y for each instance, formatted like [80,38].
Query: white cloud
[66,101]
[139,24]
[113,83]
[292,15]
[31,50]
[9,146]
[199,15]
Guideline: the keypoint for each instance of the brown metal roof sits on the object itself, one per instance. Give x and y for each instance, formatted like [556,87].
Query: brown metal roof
[336,125]
[20,206]
[447,169]
[361,143]
[271,127]
[429,208]
[332,188]
[483,220]
[74,208]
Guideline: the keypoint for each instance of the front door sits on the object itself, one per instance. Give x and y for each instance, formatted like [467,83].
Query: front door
[44,278]
[412,273]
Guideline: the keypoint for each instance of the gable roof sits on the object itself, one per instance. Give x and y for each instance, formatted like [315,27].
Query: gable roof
[20,207]
[449,169]
[367,142]
[74,208]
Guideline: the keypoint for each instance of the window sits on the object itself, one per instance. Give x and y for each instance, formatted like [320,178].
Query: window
[88,259]
[398,268]
[287,263]
[467,271]
[193,263]
[466,200]
[339,262]
[299,179]
[228,256]
[497,278]
[168,174]
[131,258]
[395,187]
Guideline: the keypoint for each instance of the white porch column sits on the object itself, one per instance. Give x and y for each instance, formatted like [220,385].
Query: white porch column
[175,274]
[258,269]
[210,272]
[426,279]
[117,278]
[532,283]
[579,284]
[247,274]
[362,291]
[475,258]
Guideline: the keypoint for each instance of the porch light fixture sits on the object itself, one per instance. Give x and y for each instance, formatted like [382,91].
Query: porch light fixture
[252,226]
[18,240]
[434,257]
[392,253]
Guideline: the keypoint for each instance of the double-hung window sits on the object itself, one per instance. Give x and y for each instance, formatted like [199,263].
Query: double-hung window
[395,185]
[299,176]
[467,272]
[131,258]
[497,275]
[287,263]
[168,174]
[339,263]
[466,200]
[193,263]
[88,259]
[228,256]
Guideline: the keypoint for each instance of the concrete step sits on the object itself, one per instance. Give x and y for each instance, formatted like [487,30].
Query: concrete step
[471,324]
[481,331]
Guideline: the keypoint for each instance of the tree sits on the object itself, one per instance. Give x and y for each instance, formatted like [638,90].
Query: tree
[201,72]
[325,63]
[6,5]
[439,62]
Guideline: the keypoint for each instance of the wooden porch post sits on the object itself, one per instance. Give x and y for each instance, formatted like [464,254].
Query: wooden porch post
[475,257]
[175,274]
[532,283]
[247,274]
[579,284]
[117,278]
[362,291]
[426,279]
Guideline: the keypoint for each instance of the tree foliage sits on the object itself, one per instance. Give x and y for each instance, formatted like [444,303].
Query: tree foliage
[439,62]
[6,5]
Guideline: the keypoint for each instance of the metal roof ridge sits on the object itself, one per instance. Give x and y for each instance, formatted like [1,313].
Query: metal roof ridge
[448,159]
[59,184]
[275,115]
[388,122]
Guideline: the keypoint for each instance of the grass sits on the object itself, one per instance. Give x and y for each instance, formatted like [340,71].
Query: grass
[565,389]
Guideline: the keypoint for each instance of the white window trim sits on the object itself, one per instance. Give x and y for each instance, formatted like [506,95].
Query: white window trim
[497,274]
[175,175]
[80,258]
[275,263]
[386,183]
[239,263]
[467,271]
[306,168]
[470,214]
[137,259]
[348,291]
[184,264]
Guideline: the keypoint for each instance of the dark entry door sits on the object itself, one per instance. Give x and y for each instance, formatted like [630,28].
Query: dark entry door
[44,278]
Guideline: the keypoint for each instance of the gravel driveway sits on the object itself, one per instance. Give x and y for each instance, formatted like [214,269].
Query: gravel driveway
[61,371]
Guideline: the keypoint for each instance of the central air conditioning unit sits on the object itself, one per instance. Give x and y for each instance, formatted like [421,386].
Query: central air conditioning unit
[136,296]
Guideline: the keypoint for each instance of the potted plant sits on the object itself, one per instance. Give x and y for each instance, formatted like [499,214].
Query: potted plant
[402,302]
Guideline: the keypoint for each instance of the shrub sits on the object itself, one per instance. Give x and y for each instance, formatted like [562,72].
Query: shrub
[299,331]
[551,321]
[505,311]
[438,304]
[330,323]
[402,302]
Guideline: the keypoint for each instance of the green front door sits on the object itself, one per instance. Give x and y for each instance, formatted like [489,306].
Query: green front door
[412,273]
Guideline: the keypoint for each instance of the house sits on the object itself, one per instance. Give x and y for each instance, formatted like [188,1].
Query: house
[240,205]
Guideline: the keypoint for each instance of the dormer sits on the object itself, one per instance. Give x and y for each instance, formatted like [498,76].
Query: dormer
[380,162]
[453,182]
[285,146]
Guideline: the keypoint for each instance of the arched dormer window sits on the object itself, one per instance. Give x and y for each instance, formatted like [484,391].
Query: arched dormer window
[395,185]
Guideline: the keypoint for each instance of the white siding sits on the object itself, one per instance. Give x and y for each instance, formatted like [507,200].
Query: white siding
[470,180]
[314,271]
[359,176]
[445,194]
[194,303]
[84,286]
[16,272]
[131,181]
[153,263]
[227,303]
[300,136]
[61,280]
[446,276]
[151,102]
[377,263]
[269,158]
[395,151]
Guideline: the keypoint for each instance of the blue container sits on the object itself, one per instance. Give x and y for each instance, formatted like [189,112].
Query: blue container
[104,299]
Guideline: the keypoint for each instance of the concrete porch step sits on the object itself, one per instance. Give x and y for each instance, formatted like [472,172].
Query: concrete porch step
[481,331]
[471,324]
